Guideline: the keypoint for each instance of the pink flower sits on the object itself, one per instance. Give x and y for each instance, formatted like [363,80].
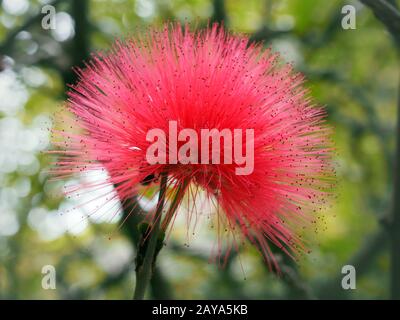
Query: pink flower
[205,80]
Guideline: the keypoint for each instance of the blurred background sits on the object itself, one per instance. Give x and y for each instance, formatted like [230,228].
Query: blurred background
[353,72]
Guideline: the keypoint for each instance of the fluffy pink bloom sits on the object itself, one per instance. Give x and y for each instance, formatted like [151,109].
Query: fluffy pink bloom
[208,79]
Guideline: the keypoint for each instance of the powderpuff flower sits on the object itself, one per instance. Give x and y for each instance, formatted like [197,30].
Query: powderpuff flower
[178,79]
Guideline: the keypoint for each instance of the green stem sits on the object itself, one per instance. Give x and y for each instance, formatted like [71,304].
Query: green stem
[144,270]
[175,203]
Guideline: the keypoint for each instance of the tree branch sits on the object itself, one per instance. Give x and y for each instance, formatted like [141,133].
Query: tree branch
[395,216]
[219,14]
[388,14]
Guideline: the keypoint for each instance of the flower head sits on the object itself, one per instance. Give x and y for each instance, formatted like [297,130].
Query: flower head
[180,79]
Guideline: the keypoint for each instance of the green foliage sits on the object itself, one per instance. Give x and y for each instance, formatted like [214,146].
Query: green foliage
[353,72]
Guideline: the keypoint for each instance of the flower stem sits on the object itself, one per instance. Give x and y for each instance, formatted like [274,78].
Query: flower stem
[147,248]
[175,203]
